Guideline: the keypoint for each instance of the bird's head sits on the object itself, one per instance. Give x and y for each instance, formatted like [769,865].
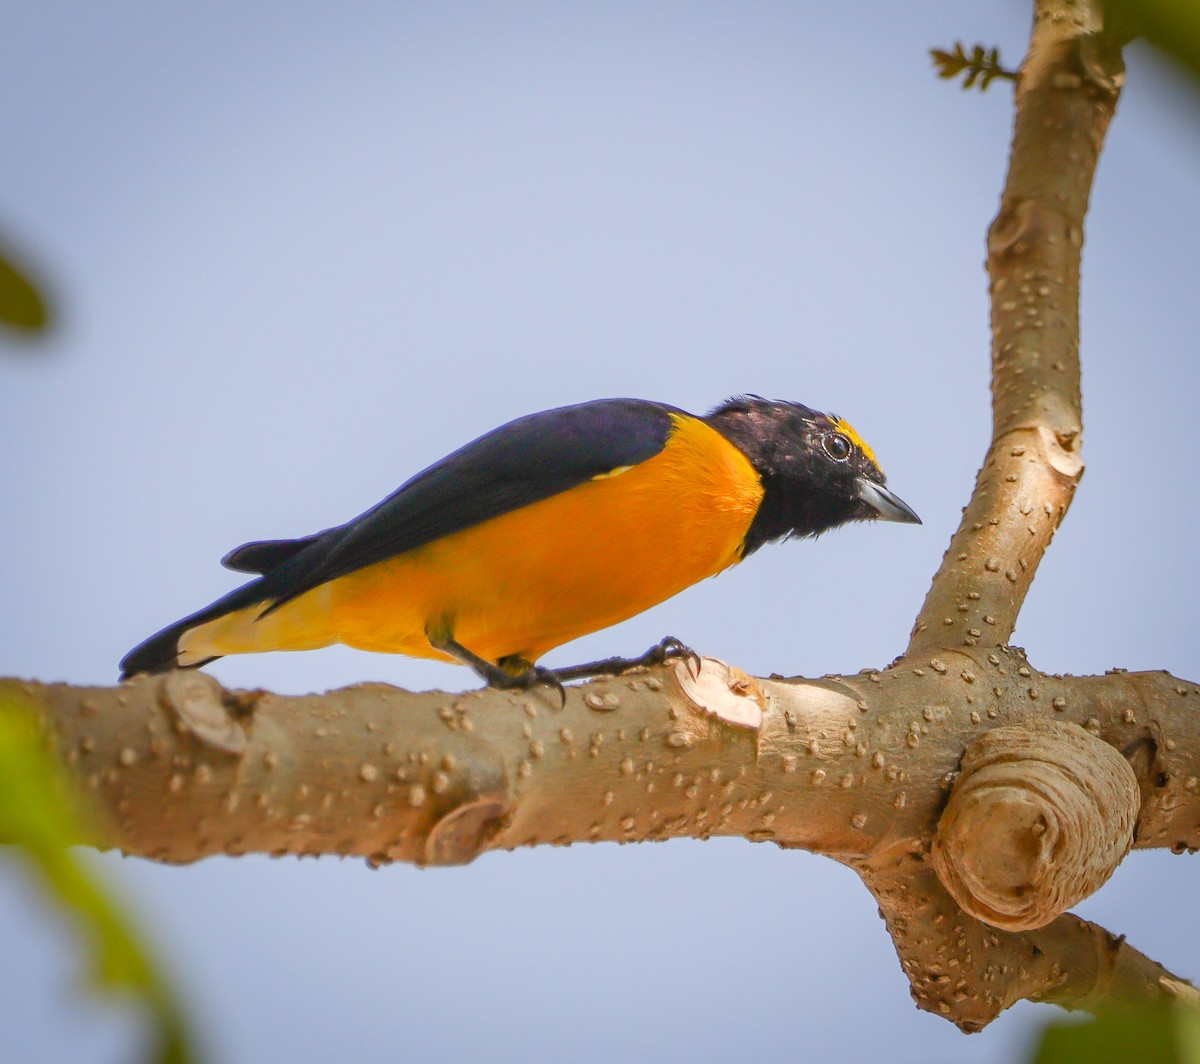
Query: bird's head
[817,472]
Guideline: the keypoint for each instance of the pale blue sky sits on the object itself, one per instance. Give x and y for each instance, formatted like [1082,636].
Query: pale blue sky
[302,251]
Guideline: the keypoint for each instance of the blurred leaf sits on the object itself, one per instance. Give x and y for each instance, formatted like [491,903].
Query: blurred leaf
[39,814]
[981,67]
[1150,1034]
[21,305]
[1171,25]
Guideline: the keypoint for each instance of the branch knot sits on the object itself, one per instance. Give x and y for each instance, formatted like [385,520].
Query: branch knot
[1040,816]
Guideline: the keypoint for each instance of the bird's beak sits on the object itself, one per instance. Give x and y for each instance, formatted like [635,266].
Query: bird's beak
[888,506]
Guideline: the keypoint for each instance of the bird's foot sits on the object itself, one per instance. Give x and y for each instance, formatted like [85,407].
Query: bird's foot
[517,674]
[669,649]
[663,651]
[512,673]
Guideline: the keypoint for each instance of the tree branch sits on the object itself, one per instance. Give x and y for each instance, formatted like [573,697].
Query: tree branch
[849,766]
[855,767]
[1066,96]
[968,972]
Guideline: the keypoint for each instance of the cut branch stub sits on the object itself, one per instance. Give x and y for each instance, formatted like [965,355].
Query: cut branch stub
[198,702]
[1039,818]
[722,691]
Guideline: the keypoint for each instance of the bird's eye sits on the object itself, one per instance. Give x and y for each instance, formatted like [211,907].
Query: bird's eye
[837,447]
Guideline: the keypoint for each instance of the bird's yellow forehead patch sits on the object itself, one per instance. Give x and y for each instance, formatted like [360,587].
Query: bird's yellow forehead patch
[846,429]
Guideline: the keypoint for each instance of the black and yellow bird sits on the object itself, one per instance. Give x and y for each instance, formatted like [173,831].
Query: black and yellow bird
[550,527]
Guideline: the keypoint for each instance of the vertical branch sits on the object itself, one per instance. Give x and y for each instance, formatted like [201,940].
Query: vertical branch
[1066,95]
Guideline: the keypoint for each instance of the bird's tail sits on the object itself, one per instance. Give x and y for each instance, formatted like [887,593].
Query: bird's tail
[176,647]
[260,615]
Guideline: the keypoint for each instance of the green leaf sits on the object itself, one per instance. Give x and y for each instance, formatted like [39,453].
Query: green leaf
[1150,1034]
[21,305]
[1172,25]
[40,815]
[981,67]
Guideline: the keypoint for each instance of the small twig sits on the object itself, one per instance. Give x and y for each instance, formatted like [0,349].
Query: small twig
[981,67]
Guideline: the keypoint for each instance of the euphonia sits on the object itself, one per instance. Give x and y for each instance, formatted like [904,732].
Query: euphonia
[547,528]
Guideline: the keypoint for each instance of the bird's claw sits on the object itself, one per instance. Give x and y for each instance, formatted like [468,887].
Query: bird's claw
[671,648]
[543,677]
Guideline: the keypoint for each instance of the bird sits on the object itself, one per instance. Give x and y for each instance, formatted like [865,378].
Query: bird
[552,526]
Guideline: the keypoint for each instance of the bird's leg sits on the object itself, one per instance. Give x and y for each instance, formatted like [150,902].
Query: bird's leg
[662,651]
[519,675]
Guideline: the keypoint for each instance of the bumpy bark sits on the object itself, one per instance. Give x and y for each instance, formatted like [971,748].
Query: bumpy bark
[976,796]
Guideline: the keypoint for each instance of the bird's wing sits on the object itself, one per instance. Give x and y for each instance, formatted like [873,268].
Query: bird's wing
[518,464]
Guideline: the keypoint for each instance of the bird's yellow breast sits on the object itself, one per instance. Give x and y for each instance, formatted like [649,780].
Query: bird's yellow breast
[532,579]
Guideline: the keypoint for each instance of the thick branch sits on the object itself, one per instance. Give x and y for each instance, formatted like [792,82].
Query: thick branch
[1066,96]
[848,766]
[969,973]
[845,765]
